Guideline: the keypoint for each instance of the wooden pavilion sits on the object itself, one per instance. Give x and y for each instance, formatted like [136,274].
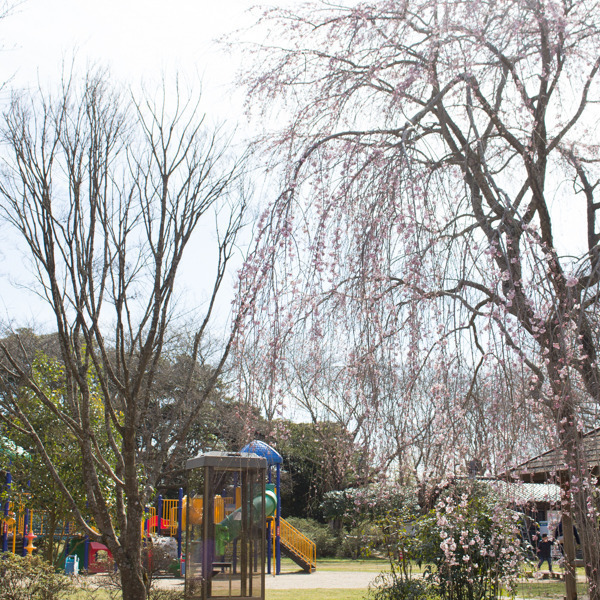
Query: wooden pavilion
[550,467]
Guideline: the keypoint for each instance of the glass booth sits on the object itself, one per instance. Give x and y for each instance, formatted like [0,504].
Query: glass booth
[225,516]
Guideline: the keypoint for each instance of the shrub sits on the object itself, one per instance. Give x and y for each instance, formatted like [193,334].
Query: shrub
[367,504]
[470,544]
[327,541]
[30,578]
[95,589]
[389,586]
[363,541]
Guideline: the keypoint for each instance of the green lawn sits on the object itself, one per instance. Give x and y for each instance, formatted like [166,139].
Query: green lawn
[545,589]
[315,594]
[550,589]
[346,564]
[87,595]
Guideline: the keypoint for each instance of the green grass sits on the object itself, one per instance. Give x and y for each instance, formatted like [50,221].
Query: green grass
[316,594]
[347,564]
[546,589]
[85,595]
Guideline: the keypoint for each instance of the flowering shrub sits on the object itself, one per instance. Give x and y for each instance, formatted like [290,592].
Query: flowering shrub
[470,544]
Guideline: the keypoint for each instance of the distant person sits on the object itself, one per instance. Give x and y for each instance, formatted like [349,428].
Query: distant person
[544,551]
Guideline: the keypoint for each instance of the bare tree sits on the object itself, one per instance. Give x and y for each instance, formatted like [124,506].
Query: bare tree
[106,194]
[439,157]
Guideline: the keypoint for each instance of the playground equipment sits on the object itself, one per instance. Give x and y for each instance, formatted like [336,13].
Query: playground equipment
[226,557]
[229,528]
[167,519]
[92,557]
[21,525]
[282,537]
[30,537]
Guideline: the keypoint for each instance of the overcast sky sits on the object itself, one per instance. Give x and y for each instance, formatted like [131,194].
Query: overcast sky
[138,40]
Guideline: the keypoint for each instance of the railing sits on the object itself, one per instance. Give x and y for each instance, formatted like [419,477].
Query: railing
[147,526]
[304,547]
[222,506]
[170,514]
[38,522]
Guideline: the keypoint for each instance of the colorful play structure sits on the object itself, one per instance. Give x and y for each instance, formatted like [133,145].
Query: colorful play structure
[21,526]
[282,537]
[229,503]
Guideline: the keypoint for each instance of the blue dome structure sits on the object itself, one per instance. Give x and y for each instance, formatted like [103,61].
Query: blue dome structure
[273,459]
[265,451]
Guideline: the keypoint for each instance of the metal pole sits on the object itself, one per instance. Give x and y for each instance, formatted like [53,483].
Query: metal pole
[160,514]
[244,534]
[86,553]
[6,511]
[269,545]
[269,533]
[179,522]
[207,539]
[235,545]
[278,523]
[263,518]
[25,530]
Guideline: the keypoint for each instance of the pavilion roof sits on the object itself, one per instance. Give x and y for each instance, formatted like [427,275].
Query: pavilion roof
[520,493]
[551,463]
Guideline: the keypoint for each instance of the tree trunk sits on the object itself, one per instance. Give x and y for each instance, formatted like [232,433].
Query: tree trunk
[133,577]
[569,547]
[133,585]
[577,476]
[127,553]
[49,549]
[590,541]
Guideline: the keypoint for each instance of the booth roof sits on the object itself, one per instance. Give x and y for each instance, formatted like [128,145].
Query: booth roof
[261,449]
[97,546]
[227,461]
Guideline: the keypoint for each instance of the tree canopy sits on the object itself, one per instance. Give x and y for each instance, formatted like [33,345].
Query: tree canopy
[104,193]
[436,235]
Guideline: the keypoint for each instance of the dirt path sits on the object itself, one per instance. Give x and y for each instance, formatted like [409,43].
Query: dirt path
[301,580]
[320,579]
